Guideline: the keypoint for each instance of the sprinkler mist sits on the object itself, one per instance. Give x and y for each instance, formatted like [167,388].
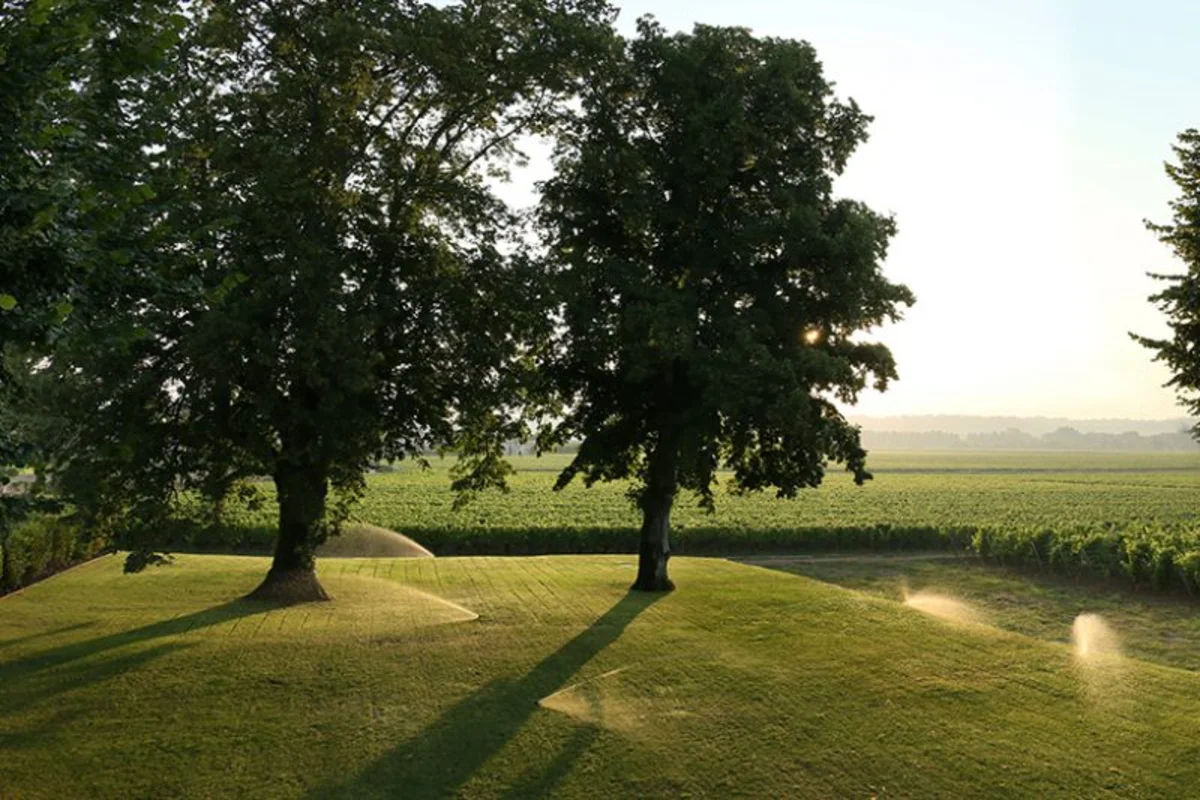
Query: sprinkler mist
[940,605]
[1093,639]
[359,540]
[1097,658]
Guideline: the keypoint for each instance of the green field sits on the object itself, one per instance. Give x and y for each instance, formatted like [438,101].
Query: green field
[744,681]
[1126,515]
[939,490]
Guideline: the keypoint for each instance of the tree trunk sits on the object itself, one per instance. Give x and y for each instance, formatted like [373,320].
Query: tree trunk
[654,549]
[292,578]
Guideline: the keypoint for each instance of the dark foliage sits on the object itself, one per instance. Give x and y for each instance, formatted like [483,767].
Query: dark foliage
[306,270]
[714,286]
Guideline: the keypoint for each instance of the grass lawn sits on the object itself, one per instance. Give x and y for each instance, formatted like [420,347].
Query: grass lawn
[744,681]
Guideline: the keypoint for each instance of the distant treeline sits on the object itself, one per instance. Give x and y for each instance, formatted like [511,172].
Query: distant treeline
[964,424]
[1065,438]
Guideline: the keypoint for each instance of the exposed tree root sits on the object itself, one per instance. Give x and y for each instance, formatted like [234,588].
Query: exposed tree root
[290,587]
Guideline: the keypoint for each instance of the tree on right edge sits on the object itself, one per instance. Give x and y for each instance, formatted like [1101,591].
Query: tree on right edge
[712,285]
[1180,300]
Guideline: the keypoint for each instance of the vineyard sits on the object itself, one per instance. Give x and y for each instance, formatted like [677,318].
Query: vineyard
[1108,514]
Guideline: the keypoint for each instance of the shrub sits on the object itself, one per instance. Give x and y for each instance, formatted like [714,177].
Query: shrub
[40,545]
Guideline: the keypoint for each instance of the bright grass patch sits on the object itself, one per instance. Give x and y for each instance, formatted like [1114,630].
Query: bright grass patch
[745,680]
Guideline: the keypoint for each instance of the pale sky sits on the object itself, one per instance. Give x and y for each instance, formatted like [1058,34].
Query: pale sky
[1020,145]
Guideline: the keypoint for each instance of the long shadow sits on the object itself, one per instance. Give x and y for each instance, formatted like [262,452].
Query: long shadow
[43,734]
[54,657]
[43,676]
[539,781]
[17,694]
[43,634]
[445,756]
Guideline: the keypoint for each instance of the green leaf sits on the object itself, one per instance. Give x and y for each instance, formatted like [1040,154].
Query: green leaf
[39,11]
[7,302]
[44,217]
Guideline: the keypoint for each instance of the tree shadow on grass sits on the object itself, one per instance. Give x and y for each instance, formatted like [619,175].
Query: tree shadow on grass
[539,781]
[74,651]
[43,677]
[41,734]
[44,634]
[17,694]
[445,756]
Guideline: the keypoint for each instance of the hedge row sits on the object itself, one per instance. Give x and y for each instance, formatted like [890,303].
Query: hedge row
[35,542]
[694,541]
[1146,556]
[535,541]
[38,546]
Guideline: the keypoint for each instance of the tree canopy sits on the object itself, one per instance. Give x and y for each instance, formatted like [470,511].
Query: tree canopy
[1180,300]
[69,162]
[318,274]
[70,142]
[713,284]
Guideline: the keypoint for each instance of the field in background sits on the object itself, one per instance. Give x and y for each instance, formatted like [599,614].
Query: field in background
[939,490]
[506,677]
[1127,515]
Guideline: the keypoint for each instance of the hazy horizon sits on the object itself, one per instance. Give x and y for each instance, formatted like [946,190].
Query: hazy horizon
[964,424]
[1020,146]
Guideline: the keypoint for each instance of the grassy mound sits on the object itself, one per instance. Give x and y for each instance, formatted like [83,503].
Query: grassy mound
[360,540]
[518,677]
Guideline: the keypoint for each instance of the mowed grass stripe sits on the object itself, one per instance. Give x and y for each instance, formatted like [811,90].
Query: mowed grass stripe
[554,576]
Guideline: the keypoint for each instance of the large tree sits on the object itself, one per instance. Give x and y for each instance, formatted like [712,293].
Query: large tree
[1180,300]
[321,276]
[713,284]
